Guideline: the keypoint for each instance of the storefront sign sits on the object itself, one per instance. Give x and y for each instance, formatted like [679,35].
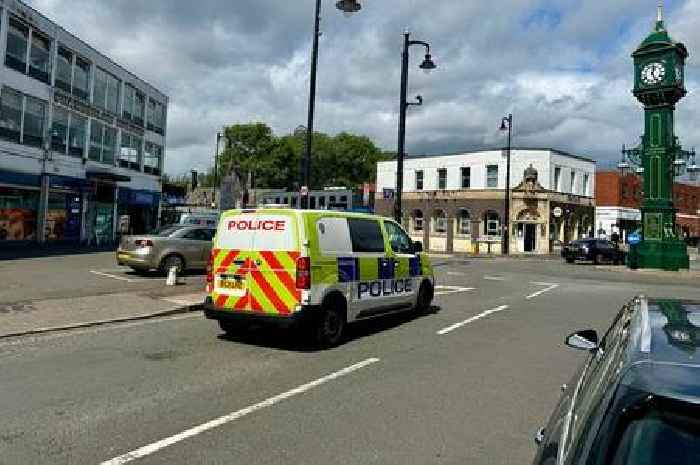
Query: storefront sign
[557,212]
[85,108]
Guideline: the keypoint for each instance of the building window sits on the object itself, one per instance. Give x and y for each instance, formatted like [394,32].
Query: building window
[102,142]
[466,177]
[442,179]
[493,224]
[322,202]
[419,180]
[10,115]
[34,116]
[440,222]
[572,186]
[557,179]
[152,158]
[17,41]
[64,69]
[417,220]
[492,176]
[81,79]
[139,108]
[585,188]
[106,91]
[77,129]
[39,61]
[134,104]
[129,96]
[59,130]
[156,117]
[464,227]
[131,151]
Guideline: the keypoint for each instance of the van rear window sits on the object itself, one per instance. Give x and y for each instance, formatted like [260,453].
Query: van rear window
[256,232]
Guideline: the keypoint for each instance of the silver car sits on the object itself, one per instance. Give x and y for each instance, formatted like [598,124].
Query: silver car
[182,247]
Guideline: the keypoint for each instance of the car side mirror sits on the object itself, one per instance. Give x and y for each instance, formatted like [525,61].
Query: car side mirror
[418,246]
[583,340]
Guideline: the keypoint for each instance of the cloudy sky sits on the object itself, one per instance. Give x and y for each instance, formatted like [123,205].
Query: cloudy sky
[562,67]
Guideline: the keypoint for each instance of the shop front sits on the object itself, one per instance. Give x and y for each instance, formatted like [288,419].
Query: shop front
[65,208]
[138,210]
[19,207]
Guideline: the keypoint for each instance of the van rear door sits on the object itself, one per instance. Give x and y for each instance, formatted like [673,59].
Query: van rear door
[264,246]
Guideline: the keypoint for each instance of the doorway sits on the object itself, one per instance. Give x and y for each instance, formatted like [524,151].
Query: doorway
[530,237]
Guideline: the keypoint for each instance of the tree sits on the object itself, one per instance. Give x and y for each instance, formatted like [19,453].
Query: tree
[247,148]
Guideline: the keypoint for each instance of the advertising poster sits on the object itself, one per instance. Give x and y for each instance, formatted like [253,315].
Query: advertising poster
[17,224]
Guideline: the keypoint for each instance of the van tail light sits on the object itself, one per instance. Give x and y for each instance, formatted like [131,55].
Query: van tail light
[304,273]
[143,243]
[210,268]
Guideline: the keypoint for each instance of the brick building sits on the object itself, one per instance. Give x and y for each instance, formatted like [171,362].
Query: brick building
[619,198]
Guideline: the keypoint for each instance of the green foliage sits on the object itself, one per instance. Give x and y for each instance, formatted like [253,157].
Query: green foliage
[276,162]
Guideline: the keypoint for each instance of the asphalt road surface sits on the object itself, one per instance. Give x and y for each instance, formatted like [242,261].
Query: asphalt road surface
[467,384]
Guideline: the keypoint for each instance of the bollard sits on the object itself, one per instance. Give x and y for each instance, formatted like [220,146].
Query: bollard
[172,276]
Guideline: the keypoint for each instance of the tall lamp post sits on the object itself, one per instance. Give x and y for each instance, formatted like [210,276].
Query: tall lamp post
[216,168]
[348,7]
[507,125]
[427,66]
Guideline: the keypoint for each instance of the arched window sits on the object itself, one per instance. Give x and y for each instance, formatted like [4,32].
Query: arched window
[492,222]
[417,220]
[440,222]
[464,223]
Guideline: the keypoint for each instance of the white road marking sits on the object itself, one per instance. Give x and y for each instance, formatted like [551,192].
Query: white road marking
[494,278]
[455,273]
[540,283]
[451,289]
[167,442]
[188,299]
[546,289]
[119,278]
[444,331]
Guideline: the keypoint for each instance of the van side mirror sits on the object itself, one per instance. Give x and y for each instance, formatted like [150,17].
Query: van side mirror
[583,340]
[418,246]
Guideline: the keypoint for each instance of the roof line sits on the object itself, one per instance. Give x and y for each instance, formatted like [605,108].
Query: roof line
[493,149]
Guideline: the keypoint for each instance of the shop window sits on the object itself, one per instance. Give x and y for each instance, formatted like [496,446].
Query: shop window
[106,91]
[442,179]
[77,130]
[492,176]
[417,220]
[39,61]
[34,115]
[81,79]
[152,158]
[464,226]
[59,130]
[493,223]
[10,115]
[466,177]
[440,222]
[18,214]
[64,69]
[17,41]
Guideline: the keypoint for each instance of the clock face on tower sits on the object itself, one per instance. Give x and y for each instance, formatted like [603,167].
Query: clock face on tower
[653,73]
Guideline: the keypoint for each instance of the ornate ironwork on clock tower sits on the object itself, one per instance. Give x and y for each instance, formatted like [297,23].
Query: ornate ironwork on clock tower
[659,84]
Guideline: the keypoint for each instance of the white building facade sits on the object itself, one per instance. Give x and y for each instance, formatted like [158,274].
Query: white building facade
[456,202]
[82,140]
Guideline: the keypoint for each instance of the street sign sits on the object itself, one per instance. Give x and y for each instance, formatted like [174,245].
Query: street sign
[388,194]
[634,238]
[557,212]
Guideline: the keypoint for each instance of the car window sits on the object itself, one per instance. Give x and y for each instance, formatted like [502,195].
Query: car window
[366,235]
[602,368]
[197,235]
[168,231]
[400,242]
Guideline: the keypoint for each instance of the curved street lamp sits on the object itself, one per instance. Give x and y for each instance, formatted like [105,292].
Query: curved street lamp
[427,66]
[507,125]
[348,7]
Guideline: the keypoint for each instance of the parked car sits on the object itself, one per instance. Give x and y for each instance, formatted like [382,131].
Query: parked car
[182,247]
[636,399]
[593,250]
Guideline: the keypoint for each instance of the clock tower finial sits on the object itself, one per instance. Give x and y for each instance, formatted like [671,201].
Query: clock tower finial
[660,17]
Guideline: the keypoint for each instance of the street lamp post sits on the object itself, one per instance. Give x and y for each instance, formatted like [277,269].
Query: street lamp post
[507,124]
[216,169]
[348,7]
[427,66]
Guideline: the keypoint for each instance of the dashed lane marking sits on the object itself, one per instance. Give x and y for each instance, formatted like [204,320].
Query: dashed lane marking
[118,278]
[481,315]
[494,278]
[167,442]
[444,290]
[538,293]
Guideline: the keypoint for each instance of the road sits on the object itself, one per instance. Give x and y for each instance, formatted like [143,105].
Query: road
[468,383]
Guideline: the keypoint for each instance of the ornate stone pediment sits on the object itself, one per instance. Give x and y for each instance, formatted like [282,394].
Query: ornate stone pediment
[529,184]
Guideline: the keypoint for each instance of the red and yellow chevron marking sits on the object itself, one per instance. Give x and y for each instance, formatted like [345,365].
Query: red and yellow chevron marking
[270,281]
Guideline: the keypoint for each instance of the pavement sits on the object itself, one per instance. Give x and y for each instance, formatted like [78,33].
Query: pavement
[469,382]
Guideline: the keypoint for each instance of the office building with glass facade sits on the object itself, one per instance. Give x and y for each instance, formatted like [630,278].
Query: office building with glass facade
[82,139]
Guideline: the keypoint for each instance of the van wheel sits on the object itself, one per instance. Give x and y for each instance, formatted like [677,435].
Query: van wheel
[330,324]
[172,261]
[425,298]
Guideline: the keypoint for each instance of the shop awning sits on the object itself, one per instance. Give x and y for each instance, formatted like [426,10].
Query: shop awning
[102,175]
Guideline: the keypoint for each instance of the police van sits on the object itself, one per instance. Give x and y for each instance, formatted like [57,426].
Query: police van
[316,269]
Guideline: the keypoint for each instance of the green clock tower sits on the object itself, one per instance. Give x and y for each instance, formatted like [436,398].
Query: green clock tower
[658,84]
